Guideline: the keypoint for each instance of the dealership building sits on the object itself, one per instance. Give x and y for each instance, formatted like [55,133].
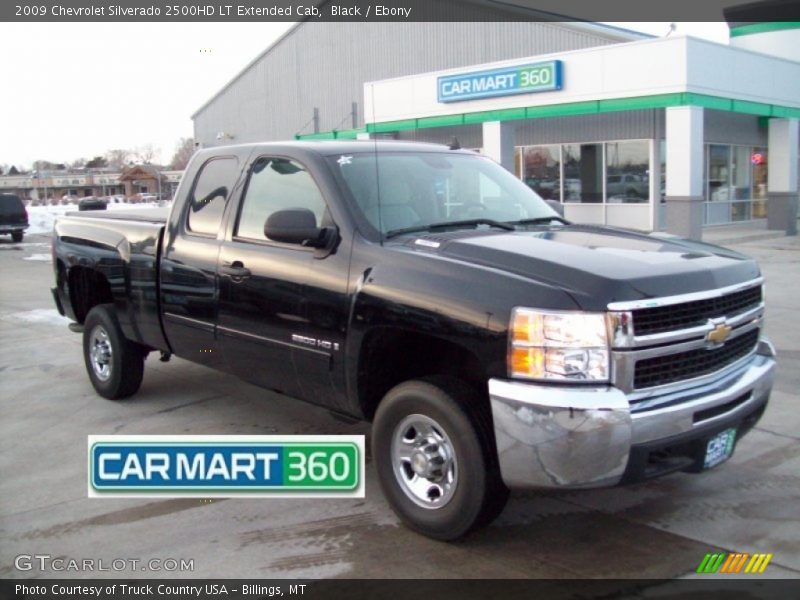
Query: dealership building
[671,133]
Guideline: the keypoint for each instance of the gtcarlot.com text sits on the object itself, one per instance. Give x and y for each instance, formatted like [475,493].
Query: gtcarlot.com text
[47,562]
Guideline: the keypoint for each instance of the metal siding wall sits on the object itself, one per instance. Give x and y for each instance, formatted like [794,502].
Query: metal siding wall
[468,136]
[626,125]
[733,128]
[324,65]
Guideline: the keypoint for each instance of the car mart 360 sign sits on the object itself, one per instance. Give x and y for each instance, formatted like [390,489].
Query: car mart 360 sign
[225,466]
[538,77]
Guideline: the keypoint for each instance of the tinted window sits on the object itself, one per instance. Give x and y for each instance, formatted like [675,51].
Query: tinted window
[276,184]
[11,205]
[211,191]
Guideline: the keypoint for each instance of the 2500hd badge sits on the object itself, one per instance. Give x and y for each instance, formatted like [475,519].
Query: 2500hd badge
[491,343]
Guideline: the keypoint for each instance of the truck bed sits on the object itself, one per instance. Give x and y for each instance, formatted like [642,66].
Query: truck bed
[122,247]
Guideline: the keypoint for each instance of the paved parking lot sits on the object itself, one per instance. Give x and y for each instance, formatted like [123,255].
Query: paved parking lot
[657,529]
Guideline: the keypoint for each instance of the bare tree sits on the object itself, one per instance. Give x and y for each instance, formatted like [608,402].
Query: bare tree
[184,150]
[78,163]
[118,158]
[145,154]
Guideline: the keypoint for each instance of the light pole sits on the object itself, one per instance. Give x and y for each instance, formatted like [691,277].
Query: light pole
[41,178]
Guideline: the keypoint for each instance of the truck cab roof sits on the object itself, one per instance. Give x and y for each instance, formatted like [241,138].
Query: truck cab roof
[334,147]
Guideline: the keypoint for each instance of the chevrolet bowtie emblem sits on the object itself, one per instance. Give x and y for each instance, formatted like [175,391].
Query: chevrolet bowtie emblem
[719,334]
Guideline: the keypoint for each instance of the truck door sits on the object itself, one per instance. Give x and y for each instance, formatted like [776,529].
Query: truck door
[189,263]
[263,323]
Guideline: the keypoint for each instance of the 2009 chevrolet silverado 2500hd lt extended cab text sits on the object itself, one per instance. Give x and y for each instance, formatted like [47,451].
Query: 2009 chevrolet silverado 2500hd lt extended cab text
[492,344]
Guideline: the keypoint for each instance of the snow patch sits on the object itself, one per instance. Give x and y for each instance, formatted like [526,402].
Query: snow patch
[41,257]
[46,316]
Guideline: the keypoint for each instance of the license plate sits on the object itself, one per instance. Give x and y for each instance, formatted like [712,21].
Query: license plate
[719,448]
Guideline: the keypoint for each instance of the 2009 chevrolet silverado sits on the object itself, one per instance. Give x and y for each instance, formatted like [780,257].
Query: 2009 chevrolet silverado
[491,343]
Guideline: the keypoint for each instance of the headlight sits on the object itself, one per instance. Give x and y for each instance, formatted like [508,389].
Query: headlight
[569,346]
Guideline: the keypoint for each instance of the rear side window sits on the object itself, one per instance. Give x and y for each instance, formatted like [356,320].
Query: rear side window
[277,184]
[211,190]
[11,205]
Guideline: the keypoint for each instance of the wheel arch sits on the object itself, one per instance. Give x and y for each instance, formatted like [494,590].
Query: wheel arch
[87,288]
[389,356]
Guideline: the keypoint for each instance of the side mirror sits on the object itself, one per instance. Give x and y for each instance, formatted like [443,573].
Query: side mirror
[295,226]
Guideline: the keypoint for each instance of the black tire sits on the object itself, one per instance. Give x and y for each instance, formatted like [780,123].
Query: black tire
[477,494]
[125,361]
[17,236]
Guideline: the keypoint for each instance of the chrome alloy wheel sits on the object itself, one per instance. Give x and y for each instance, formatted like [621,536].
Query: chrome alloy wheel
[424,461]
[100,353]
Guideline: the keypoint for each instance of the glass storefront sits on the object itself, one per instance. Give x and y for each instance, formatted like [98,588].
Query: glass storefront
[759,161]
[628,172]
[542,168]
[618,172]
[610,172]
[735,183]
[583,173]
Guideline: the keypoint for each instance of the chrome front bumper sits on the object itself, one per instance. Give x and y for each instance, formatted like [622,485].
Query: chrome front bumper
[554,436]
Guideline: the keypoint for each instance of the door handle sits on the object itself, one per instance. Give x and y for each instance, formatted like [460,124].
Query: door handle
[235,270]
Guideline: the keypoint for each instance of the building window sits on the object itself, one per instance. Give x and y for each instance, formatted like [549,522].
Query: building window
[583,173]
[758,159]
[628,172]
[613,172]
[735,183]
[541,170]
[741,184]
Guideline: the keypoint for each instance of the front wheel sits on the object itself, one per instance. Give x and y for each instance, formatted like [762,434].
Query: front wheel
[115,364]
[434,451]
[16,236]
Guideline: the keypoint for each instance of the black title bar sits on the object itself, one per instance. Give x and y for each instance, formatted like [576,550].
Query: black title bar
[396,10]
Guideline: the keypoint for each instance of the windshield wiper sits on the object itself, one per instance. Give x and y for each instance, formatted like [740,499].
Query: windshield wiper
[540,220]
[450,224]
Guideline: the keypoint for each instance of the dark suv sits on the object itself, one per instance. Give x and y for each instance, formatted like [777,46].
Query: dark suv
[13,216]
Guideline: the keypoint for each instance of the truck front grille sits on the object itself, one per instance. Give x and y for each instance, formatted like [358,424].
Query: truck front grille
[670,368]
[648,321]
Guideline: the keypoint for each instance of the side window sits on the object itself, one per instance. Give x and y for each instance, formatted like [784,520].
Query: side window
[211,191]
[276,184]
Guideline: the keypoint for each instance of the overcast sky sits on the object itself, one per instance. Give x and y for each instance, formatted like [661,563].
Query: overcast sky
[77,90]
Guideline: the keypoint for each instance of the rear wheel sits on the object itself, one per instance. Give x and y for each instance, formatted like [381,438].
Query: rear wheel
[434,451]
[17,236]
[115,364]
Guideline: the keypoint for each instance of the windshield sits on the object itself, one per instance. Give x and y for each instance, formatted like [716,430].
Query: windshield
[418,189]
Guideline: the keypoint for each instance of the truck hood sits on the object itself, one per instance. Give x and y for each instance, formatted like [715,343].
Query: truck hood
[597,265]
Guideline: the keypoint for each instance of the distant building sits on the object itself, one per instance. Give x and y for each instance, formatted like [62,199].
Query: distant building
[671,133]
[137,179]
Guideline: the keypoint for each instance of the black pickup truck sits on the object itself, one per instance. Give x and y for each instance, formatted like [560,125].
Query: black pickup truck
[491,343]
